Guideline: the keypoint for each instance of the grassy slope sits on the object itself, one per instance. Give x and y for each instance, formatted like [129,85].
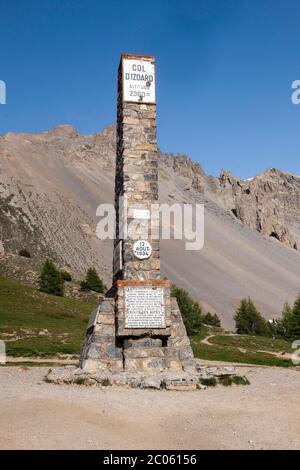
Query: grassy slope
[25,312]
[242,348]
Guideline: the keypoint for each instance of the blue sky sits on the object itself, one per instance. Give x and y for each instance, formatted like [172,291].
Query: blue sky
[224,73]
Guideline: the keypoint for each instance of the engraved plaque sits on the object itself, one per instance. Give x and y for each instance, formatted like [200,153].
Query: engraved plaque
[144,307]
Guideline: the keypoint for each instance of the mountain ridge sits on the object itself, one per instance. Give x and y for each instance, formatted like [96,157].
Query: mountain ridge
[51,183]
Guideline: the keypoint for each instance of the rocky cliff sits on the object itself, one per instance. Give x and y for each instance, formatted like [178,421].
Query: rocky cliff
[268,203]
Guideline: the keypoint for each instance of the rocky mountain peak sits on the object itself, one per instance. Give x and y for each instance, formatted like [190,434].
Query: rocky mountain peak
[63,130]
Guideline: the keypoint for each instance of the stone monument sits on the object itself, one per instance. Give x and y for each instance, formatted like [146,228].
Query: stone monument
[136,334]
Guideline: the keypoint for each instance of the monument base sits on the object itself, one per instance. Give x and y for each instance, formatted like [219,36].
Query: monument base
[103,350]
[111,348]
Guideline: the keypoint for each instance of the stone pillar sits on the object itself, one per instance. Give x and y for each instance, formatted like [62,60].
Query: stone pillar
[136,180]
[138,329]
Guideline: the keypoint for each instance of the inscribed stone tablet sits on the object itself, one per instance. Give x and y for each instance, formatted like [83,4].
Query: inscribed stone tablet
[144,307]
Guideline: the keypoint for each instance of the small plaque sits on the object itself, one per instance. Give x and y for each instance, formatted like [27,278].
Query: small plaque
[144,307]
[142,249]
[138,80]
[141,214]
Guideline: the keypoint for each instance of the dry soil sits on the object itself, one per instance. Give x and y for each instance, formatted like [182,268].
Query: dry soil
[39,415]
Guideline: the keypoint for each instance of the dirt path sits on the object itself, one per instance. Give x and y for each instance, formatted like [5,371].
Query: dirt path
[206,340]
[41,360]
[38,415]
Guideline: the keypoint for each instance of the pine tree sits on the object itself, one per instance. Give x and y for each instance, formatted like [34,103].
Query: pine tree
[50,280]
[190,310]
[249,321]
[212,319]
[92,281]
[282,325]
[294,320]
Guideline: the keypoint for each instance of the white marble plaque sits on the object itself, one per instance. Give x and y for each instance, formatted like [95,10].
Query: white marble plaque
[142,249]
[144,307]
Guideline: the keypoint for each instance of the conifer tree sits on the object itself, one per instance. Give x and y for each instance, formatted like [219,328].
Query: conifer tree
[249,321]
[282,325]
[211,319]
[190,310]
[294,320]
[50,280]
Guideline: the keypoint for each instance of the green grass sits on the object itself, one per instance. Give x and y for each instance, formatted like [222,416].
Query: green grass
[105,383]
[228,380]
[25,312]
[225,348]
[253,343]
[240,380]
[225,380]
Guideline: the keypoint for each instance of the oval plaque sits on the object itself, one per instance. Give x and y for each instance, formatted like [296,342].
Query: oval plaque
[142,249]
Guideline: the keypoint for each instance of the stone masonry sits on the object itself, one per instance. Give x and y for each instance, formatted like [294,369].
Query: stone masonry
[112,346]
[136,178]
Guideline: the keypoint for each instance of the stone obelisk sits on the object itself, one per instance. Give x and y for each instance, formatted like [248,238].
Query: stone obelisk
[137,330]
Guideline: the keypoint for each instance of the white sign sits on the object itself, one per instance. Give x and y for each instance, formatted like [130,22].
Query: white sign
[142,249]
[141,214]
[144,307]
[138,80]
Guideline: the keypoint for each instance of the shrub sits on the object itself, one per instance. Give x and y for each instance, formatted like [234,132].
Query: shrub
[80,380]
[163,385]
[212,319]
[249,321]
[225,380]
[208,381]
[66,276]
[25,253]
[190,310]
[240,380]
[50,280]
[84,285]
[105,382]
[92,281]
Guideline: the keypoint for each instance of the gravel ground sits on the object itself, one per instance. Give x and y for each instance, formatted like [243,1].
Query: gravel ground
[39,415]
